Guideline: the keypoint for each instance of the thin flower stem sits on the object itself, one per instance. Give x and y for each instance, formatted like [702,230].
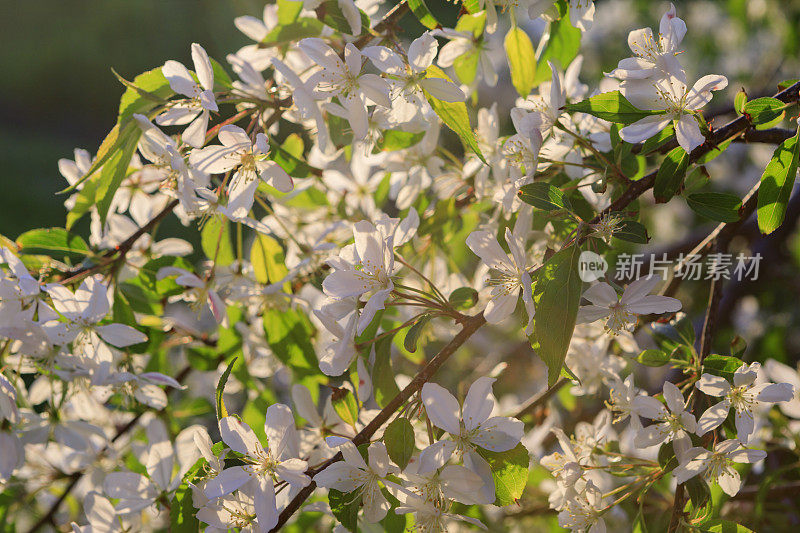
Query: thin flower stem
[425,278]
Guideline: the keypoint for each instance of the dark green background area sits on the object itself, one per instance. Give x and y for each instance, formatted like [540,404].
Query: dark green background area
[57,91]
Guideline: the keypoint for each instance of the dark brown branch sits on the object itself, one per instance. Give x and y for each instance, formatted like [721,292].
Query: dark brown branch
[728,131]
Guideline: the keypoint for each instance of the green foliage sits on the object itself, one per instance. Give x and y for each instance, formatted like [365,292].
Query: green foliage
[557,296]
[764,111]
[344,506]
[776,186]
[670,175]
[423,14]
[215,239]
[653,358]
[544,196]
[299,29]
[611,106]
[384,387]
[562,47]
[509,471]
[414,332]
[632,231]
[718,206]
[289,333]
[453,114]
[266,257]
[399,440]
[397,140]
[722,365]
[218,396]
[181,510]
[346,406]
[57,243]
[463,298]
[521,60]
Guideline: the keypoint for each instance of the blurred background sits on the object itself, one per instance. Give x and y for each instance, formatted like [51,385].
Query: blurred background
[57,92]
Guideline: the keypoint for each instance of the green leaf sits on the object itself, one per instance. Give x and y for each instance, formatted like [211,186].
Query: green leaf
[453,114]
[722,365]
[423,14]
[557,295]
[738,346]
[739,102]
[383,384]
[299,29]
[472,6]
[698,491]
[670,175]
[345,404]
[521,60]
[610,106]
[563,45]
[632,231]
[332,15]
[397,140]
[215,239]
[223,379]
[763,110]
[509,471]
[544,196]
[181,509]
[399,440]
[344,506]
[414,332]
[719,206]
[288,333]
[658,140]
[266,256]
[115,170]
[776,186]
[472,23]
[289,155]
[466,66]
[146,91]
[57,243]
[288,11]
[463,298]
[653,358]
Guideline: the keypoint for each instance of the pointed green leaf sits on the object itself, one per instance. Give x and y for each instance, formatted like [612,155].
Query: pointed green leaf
[563,45]
[521,60]
[453,114]
[670,175]
[223,379]
[544,196]
[719,206]
[423,14]
[399,440]
[557,295]
[776,186]
[215,239]
[509,471]
[610,106]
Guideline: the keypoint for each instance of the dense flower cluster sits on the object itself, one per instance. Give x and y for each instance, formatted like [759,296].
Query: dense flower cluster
[324,160]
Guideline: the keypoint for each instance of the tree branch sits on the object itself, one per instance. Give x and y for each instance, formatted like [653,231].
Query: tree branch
[728,131]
